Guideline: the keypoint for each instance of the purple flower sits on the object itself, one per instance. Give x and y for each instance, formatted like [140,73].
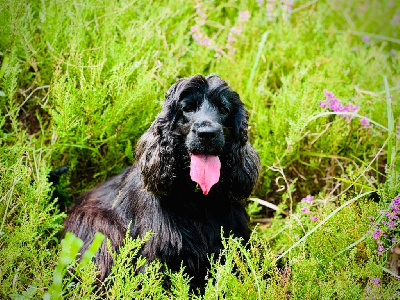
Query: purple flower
[269,7]
[200,12]
[329,95]
[324,103]
[244,16]
[231,51]
[390,224]
[366,39]
[336,105]
[365,123]
[376,234]
[393,52]
[308,198]
[352,108]
[271,10]
[205,42]
[398,130]
[231,38]
[371,217]
[383,229]
[305,210]
[375,280]
[314,218]
[236,30]
[218,52]
[395,20]
[260,3]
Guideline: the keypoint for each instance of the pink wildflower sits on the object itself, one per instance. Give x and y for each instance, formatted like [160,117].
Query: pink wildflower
[376,234]
[231,51]
[236,30]
[200,12]
[308,198]
[398,130]
[324,103]
[205,42]
[352,108]
[336,105]
[365,123]
[314,218]
[218,52]
[383,229]
[271,11]
[260,3]
[231,37]
[305,210]
[375,280]
[366,39]
[328,94]
[244,16]
[395,20]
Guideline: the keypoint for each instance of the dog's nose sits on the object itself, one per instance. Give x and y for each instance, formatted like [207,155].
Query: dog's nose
[207,133]
[206,130]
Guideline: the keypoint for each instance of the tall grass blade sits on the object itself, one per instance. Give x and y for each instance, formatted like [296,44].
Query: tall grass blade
[391,273]
[345,113]
[372,35]
[257,60]
[390,120]
[255,65]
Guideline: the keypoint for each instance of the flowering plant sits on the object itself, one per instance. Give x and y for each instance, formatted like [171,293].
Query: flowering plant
[204,40]
[307,209]
[334,104]
[384,230]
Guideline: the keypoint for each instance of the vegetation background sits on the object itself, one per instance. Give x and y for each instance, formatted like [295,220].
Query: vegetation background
[81,80]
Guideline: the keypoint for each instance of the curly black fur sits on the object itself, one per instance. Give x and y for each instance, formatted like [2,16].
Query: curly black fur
[201,115]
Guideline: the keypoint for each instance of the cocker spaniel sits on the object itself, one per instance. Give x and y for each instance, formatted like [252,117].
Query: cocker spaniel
[194,169]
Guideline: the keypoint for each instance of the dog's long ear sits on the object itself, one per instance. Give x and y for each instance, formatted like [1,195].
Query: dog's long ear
[245,161]
[154,152]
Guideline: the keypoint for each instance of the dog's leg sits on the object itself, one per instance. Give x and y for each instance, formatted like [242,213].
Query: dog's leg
[84,222]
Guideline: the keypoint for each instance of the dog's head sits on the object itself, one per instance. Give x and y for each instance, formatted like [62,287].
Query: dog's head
[203,123]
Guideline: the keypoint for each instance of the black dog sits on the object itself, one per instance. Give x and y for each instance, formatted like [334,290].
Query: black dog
[194,169]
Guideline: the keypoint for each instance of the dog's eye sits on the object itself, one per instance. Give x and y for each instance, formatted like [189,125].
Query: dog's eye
[223,110]
[189,108]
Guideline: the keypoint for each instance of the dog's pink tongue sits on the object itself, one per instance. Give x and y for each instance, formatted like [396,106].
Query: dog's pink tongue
[205,170]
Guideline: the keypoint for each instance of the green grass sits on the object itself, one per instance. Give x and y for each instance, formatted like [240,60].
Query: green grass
[80,81]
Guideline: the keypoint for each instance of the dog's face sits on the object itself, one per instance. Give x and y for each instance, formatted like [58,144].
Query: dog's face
[203,126]
[205,118]
[205,110]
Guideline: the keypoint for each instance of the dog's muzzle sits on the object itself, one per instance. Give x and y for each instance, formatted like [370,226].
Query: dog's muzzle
[205,137]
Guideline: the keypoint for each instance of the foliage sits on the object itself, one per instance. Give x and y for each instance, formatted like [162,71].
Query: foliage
[80,81]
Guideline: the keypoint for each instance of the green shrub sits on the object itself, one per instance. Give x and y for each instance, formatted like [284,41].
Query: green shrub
[80,81]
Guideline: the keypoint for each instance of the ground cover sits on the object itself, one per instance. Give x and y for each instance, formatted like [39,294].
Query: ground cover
[80,81]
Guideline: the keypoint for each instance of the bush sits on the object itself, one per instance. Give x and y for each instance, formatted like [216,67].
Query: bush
[80,81]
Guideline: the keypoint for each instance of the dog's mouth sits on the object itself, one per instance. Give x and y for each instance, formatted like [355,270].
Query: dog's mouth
[205,170]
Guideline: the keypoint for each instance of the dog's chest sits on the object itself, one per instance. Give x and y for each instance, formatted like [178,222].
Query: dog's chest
[179,238]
